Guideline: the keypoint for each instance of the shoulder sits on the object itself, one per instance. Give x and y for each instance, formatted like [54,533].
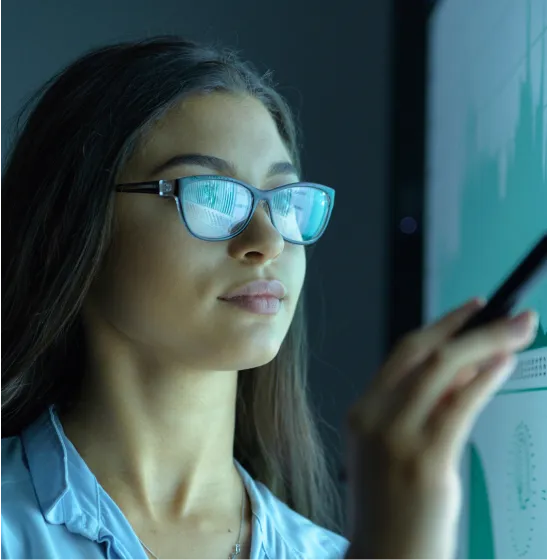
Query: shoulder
[287,534]
[23,525]
[19,503]
[16,477]
[24,532]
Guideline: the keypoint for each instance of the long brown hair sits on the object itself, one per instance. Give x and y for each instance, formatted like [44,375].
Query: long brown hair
[58,197]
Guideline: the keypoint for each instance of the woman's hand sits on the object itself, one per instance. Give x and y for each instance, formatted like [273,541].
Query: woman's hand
[407,434]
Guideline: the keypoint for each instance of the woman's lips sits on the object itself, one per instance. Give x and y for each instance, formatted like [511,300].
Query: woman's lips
[259,296]
[258,288]
[263,305]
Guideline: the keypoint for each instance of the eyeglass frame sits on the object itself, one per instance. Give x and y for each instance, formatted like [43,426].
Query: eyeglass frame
[173,189]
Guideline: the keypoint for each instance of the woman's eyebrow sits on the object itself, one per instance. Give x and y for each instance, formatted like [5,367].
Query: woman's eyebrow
[220,165]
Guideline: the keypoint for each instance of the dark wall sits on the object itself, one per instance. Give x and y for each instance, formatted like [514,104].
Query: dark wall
[333,60]
[407,169]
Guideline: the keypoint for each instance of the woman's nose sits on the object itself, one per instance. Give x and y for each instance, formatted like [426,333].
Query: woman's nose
[260,241]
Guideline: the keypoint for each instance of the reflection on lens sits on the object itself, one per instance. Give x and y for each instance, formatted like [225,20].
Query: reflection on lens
[300,213]
[214,208]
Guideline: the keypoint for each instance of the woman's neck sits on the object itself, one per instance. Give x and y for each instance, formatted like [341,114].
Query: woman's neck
[161,444]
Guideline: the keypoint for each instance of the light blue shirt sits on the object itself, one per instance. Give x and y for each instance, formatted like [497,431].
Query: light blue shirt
[54,507]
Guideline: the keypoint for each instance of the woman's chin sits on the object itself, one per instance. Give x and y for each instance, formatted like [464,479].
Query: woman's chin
[246,353]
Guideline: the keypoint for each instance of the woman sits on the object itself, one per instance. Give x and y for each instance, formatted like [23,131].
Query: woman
[154,398]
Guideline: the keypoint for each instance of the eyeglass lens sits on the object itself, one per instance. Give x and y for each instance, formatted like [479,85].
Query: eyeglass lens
[217,208]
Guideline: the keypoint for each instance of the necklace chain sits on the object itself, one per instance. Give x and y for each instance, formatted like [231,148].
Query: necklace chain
[237,547]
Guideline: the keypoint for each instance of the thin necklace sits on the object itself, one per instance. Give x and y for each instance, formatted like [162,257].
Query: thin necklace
[237,546]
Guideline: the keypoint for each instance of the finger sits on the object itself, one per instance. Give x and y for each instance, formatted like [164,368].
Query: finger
[451,426]
[416,347]
[448,324]
[411,352]
[464,378]
[471,350]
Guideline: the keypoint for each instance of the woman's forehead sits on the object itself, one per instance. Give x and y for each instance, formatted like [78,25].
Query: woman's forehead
[232,127]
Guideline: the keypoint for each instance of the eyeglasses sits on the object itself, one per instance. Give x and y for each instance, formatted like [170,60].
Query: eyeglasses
[215,208]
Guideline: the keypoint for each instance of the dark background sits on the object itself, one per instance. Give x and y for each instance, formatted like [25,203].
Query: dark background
[354,72]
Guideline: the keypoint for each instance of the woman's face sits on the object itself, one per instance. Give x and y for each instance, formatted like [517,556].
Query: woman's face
[159,287]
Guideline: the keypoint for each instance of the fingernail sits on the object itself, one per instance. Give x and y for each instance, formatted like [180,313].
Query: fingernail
[523,325]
